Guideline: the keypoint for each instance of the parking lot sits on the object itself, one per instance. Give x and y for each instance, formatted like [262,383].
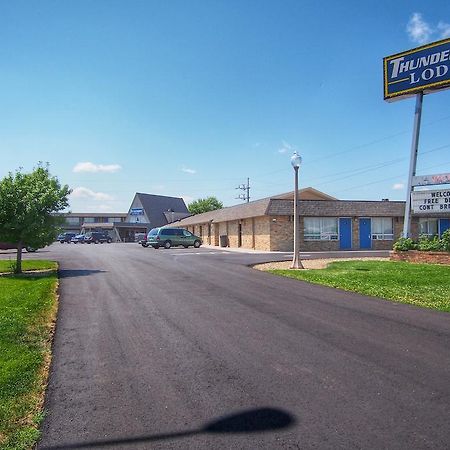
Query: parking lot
[159,341]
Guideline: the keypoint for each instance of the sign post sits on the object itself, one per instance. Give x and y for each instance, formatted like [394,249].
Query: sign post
[412,164]
[419,71]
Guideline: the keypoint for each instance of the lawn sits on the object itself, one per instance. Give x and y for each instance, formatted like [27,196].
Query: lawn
[6,265]
[27,313]
[425,285]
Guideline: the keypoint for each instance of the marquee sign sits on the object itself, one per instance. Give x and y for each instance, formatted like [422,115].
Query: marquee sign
[426,180]
[430,201]
[422,69]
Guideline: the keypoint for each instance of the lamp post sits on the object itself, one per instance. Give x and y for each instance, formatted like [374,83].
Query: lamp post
[296,160]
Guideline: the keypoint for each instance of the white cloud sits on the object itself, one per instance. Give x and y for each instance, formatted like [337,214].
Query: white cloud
[286,147]
[398,186]
[421,31]
[95,168]
[82,192]
[104,208]
[418,30]
[444,29]
[187,170]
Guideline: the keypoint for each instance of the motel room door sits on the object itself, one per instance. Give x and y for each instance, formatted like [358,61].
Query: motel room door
[365,234]
[345,233]
[444,224]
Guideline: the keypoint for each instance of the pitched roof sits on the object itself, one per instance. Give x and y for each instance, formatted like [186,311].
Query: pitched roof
[308,193]
[251,209]
[337,208]
[156,205]
[256,208]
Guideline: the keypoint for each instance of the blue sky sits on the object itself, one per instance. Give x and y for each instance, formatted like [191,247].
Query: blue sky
[189,98]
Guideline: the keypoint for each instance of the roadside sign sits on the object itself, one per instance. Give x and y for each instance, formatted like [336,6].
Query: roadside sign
[422,69]
[424,202]
[427,180]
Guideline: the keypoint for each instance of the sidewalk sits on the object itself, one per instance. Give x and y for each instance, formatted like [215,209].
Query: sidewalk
[336,254]
[243,250]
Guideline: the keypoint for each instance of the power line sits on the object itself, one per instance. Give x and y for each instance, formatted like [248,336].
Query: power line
[365,169]
[390,178]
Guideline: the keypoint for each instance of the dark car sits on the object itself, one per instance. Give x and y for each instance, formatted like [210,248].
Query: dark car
[97,237]
[8,246]
[66,237]
[170,237]
[78,239]
[143,242]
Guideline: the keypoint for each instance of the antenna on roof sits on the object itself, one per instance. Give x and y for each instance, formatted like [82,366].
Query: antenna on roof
[246,189]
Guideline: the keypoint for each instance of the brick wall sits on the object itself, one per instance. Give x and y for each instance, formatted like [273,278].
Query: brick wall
[276,233]
[215,234]
[262,233]
[415,256]
[223,229]
[233,233]
[281,234]
[355,233]
[247,233]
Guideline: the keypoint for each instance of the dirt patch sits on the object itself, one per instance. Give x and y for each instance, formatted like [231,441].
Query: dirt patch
[29,273]
[311,263]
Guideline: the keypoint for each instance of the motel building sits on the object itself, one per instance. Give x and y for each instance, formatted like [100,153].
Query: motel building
[146,211]
[326,223]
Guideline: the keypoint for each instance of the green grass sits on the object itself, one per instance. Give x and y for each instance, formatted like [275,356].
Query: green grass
[27,312]
[6,265]
[424,285]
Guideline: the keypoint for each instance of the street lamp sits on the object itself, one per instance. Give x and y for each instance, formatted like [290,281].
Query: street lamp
[296,160]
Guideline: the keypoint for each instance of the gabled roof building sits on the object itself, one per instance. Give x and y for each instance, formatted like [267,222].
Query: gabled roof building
[146,211]
[149,211]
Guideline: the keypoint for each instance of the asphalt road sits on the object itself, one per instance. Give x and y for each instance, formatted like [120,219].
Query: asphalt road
[153,346]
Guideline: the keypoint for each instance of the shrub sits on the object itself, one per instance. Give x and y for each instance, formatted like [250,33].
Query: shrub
[404,244]
[428,244]
[445,240]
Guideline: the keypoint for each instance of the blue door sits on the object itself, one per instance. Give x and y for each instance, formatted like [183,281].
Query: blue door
[345,234]
[444,224]
[365,236]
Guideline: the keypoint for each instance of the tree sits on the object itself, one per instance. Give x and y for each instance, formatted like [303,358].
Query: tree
[204,205]
[28,203]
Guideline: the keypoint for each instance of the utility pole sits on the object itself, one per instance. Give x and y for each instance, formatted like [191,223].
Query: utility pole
[246,189]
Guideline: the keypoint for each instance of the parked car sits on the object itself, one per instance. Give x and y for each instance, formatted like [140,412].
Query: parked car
[78,239]
[143,241]
[138,237]
[170,237]
[9,246]
[66,237]
[97,237]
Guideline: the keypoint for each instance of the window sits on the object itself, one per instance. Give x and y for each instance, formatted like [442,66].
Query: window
[428,227]
[321,229]
[382,228]
[89,220]
[73,220]
[169,232]
[186,233]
